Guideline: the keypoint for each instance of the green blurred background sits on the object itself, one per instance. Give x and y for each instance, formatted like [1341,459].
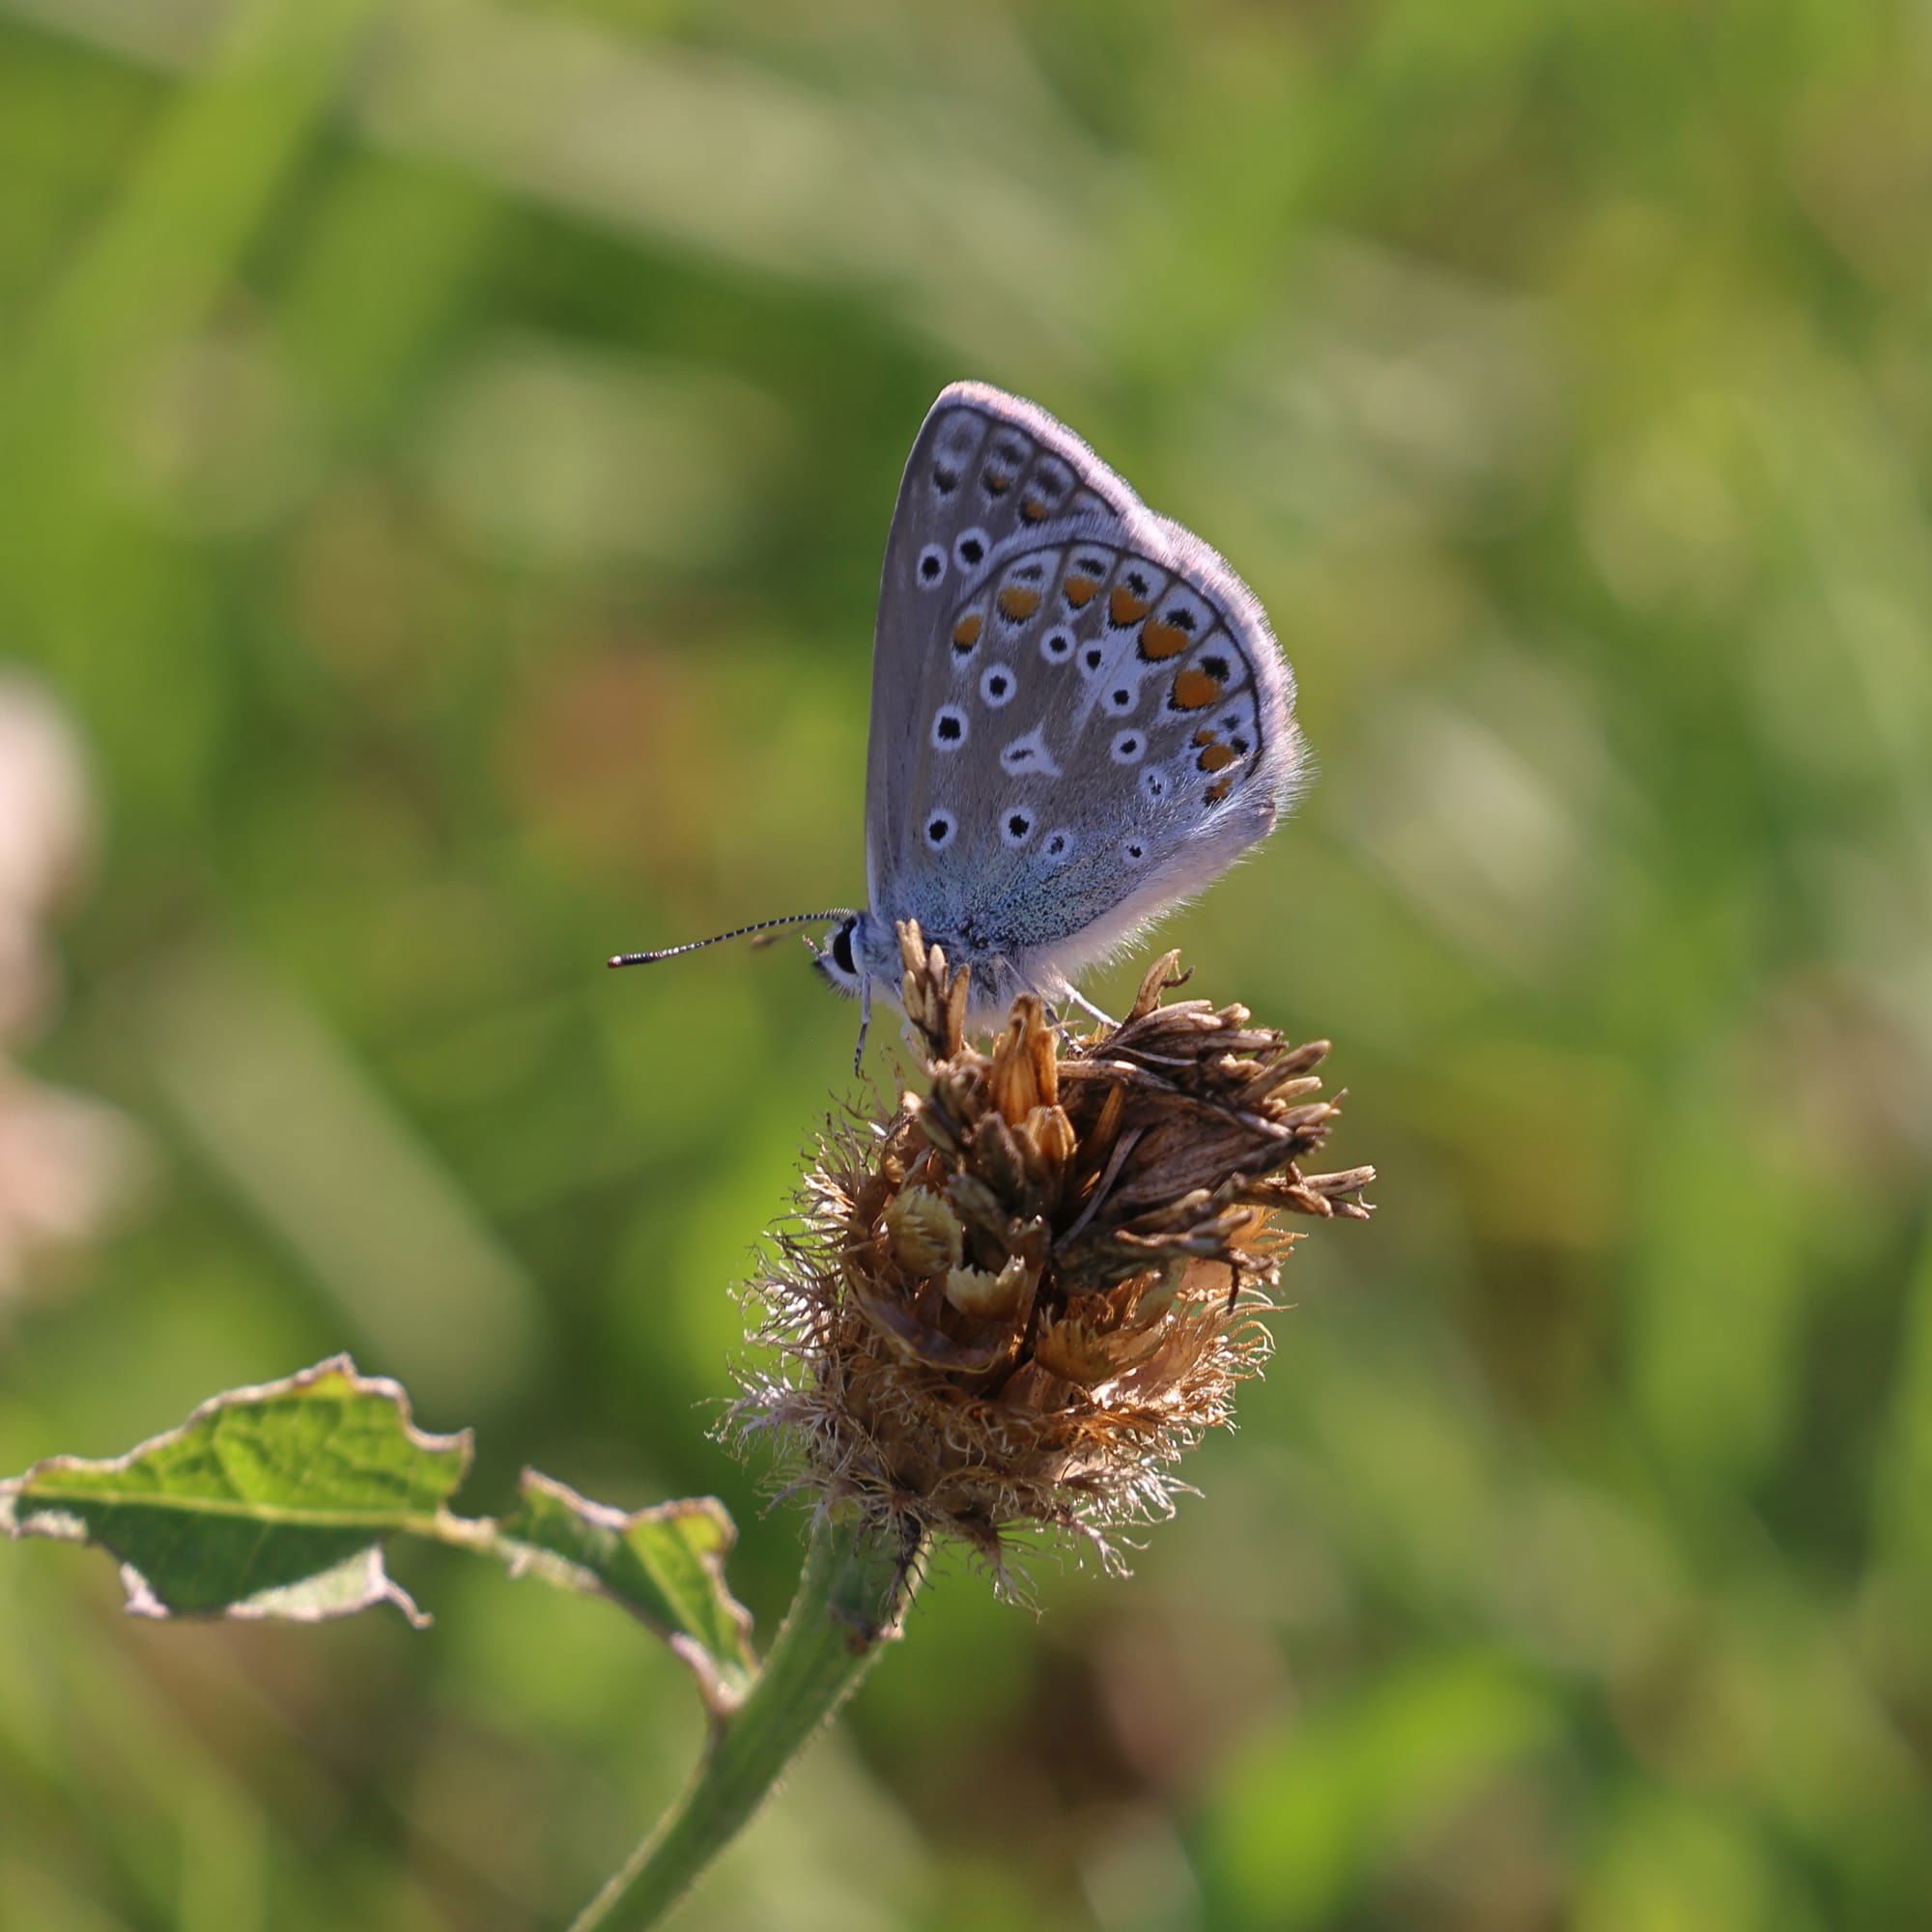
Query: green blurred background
[445,452]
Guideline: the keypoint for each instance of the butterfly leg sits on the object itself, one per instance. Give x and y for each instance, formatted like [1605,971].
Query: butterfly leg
[1054,1006]
[865,1021]
[1086,1006]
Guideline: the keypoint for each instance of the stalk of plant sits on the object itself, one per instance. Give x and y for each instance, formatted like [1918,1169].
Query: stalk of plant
[1002,1314]
[1001,1318]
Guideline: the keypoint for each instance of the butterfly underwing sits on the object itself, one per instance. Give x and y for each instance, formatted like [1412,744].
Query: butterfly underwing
[1080,717]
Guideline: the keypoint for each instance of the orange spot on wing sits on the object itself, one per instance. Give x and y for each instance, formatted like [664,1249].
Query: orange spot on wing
[1219,790]
[1193,688]
[1206,736]
[1018,603]
[1080,590]
[1161,641]
[1033,509]
[1216,758]
[1124,607]
[966,633]
[997,485]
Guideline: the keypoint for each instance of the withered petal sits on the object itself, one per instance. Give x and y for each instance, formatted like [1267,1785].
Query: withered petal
[990,1296]
[924,1344]
[923,1230]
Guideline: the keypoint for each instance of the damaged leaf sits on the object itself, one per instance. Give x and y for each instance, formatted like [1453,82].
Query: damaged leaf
[278,1500]
[267,1501]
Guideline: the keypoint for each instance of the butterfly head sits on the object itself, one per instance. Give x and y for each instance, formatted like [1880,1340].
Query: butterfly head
[835,959]
[859,951]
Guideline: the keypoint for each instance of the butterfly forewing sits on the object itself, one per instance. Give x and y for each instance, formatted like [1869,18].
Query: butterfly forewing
[985,466]
[1079,717]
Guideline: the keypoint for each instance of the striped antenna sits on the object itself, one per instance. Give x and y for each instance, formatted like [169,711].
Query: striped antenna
[736,932]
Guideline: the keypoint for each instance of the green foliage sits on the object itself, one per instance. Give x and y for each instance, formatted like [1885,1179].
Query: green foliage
[258,1502]
[662,1564]
[276,1501]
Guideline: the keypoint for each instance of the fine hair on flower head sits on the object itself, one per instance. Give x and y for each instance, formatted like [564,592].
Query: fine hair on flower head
[1016,1304]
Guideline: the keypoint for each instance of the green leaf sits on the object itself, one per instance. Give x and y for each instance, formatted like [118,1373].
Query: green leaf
[268,1501]
[275,1502]
[665,1565]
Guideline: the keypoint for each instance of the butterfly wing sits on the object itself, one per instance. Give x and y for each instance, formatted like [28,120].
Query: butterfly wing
[1091,725]
[985,466]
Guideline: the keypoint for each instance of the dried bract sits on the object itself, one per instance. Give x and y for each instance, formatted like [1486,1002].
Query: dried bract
[1019,1301]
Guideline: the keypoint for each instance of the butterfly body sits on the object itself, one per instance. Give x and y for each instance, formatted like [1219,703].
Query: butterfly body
[1080,717]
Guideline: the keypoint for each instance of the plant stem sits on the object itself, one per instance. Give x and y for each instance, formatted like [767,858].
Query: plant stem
[851,1595]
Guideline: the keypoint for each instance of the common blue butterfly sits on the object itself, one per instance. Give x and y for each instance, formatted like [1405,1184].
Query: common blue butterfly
[1080,717]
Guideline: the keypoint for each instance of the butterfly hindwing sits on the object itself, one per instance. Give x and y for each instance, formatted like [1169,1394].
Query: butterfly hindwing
[1116,733]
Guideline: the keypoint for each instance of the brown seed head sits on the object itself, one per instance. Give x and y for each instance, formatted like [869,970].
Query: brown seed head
[1021,1299]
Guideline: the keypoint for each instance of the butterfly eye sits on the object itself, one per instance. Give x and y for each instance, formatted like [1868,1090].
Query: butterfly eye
[948,729]
[1128,747]
[959,434]
[1002,467]
[932,565]
[1130,599]
[842,949]
[1016,603]
[939,830]
[997,685]
[1030,755]
[1046,489]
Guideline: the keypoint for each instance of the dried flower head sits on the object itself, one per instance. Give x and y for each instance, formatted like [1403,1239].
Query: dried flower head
[1018,1302]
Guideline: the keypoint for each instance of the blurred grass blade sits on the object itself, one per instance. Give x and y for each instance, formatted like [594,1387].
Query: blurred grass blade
[695,149]
[665,1565]
[344,1180]
[268,1501]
